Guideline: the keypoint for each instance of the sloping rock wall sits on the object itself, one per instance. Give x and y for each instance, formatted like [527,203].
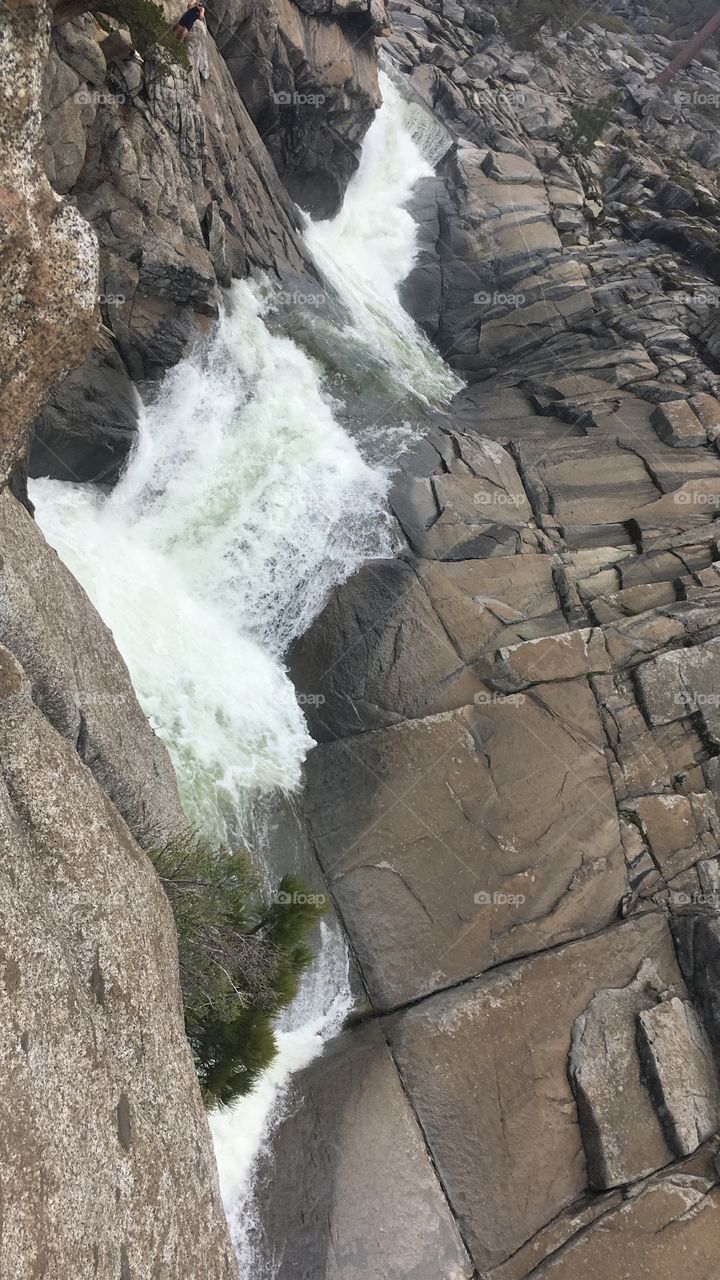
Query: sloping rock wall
[514,793]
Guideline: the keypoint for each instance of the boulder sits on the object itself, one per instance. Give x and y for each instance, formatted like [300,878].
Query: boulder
[677,424]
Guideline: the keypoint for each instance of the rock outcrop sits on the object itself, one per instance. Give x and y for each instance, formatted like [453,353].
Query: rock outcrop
[307,72]
[515,790]
[48,295]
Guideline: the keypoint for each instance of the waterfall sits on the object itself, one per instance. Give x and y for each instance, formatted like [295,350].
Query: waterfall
[243,503]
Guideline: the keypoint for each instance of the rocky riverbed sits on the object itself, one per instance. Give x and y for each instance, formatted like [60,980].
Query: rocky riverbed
[515,793]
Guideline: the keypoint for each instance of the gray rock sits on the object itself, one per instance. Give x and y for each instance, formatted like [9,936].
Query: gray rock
[107,1128]
[621,1133]
[449,847]
[486,1067]
[677,425]
[697,940]
[88,423]
[678,1062]
[78,679]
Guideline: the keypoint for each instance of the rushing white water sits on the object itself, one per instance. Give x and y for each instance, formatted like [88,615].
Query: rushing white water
[243,503]
[369,248]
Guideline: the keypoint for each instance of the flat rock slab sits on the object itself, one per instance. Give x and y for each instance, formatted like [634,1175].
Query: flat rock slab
[480,601]
[353,1193]
[678,1061]
[670,1228]
[621,1132]
[486,1068]
[458,841]
[561,657]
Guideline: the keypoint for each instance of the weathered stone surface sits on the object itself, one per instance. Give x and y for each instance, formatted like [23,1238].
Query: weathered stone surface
[78,679]
[671,1227]
[455,842]
[353,1191]
[182,194]
[682,682]
[486,1066]
[677,425]
[697,939]
[621,1132]
[376,655]
[49,254]
[107,1164]
[559,657]
[309,80]
[678,1063]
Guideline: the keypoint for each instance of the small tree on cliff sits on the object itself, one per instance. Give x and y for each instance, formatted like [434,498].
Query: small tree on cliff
[242,955]
[587,123]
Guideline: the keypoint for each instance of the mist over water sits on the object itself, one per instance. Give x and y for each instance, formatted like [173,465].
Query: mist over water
[244,502]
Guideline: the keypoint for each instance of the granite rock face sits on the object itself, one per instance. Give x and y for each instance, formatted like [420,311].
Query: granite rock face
[107,1166]
[177,183]
[308,75]
[48,294]
[363,1156]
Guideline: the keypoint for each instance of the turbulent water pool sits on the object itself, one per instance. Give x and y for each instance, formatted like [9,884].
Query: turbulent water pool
[243,503]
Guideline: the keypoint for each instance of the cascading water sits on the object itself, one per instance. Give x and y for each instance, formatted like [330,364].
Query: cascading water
[243,503]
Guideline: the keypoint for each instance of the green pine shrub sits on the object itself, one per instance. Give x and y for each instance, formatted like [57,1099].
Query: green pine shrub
[242,955]
[587,123]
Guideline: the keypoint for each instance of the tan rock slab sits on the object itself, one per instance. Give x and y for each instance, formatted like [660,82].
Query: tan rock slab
[485,1065]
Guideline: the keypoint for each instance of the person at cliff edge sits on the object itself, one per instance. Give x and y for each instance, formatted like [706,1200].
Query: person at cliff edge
[196,13]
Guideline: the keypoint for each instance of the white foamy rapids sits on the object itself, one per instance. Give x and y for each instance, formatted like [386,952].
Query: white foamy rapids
[243,1132]
[242,505]
[370,247]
